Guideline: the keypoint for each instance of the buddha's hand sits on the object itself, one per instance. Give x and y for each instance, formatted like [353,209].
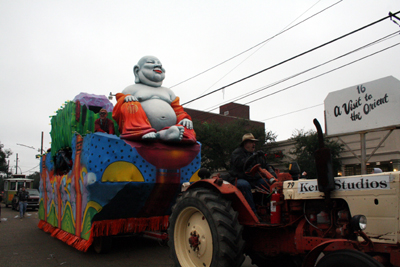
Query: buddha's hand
[186,123]
[130,98]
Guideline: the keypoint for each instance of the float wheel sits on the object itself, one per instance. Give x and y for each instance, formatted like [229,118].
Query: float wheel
[102,244]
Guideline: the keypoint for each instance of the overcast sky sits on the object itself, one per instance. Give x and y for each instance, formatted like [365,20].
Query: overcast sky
[53,50]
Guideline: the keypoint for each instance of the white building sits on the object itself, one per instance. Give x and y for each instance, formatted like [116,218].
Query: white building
[365,118]
[386,157]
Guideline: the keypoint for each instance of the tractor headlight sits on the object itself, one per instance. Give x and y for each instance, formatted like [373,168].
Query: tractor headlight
[358,222]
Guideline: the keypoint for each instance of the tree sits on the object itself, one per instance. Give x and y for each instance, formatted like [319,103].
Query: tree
[219,140]
[305,146]
[4,154]
[36,179]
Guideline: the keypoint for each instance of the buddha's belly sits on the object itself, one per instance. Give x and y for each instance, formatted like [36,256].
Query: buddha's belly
[159,113]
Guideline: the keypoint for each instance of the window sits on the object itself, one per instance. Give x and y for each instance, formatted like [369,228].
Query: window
[20,184]
[13,186]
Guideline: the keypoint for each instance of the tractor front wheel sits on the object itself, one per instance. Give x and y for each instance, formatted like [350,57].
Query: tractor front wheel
[348,258]
[204,231]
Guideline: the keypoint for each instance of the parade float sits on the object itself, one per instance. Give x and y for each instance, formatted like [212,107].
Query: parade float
[95,185]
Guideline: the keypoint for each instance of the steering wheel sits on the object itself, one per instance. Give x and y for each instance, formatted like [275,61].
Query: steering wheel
[254,159]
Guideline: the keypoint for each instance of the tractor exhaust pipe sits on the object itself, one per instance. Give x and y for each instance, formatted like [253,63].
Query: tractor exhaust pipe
[323,161]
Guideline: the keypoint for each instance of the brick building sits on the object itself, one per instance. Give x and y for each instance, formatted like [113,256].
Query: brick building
[227,113]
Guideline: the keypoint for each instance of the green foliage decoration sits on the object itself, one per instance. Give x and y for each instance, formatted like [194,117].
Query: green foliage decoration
[64,125]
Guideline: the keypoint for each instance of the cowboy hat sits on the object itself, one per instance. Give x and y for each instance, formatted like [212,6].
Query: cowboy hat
[248,137]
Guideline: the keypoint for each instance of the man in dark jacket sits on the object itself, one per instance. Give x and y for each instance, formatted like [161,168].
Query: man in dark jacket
[238,159]
[23,196]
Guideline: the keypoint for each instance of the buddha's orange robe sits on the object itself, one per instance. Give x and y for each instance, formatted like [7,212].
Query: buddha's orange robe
[133,122]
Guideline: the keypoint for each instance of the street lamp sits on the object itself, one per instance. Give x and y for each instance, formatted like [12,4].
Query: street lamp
[29,147]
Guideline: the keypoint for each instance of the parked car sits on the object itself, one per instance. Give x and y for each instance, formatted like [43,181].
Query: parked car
[33,200]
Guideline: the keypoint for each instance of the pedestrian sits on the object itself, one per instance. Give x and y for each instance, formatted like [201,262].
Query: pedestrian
[23,196]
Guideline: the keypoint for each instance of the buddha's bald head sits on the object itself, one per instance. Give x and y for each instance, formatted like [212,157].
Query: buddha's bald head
[149,71]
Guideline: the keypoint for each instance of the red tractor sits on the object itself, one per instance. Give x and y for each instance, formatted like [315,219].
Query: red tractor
[303,222]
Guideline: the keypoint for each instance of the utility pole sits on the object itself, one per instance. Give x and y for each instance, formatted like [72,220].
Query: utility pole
[16,166]
[41,146]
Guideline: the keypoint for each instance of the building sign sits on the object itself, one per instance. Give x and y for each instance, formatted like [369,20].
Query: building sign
[348,184]
[362,107]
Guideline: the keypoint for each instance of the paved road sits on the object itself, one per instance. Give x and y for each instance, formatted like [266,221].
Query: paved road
[22,243]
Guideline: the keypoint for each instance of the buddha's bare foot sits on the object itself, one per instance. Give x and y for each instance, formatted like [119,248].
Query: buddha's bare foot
[151,136]
[173,133]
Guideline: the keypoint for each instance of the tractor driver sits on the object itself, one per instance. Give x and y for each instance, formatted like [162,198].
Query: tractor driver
[238,159]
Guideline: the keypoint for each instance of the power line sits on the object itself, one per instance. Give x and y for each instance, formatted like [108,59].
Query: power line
[387,37]
[292,58]
[278,116]
[229,59]
[322,74]
[259,48]
[317,76]
[32,168]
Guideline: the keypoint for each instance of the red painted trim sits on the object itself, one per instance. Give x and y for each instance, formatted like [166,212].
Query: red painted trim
[232,193]
[71,239]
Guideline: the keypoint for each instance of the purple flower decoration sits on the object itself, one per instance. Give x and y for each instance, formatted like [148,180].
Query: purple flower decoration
[94,100]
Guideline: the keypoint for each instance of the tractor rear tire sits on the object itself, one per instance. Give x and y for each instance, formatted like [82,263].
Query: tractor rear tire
[348,258]
[204,231]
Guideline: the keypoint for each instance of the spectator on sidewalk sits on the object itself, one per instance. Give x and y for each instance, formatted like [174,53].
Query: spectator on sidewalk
[23,196]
